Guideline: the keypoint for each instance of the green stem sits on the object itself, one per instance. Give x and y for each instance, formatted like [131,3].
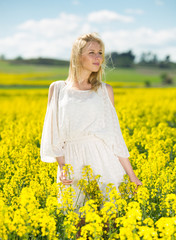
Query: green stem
[110,230]
[78,196]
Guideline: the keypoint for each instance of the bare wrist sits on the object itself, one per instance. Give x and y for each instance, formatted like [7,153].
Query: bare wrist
[61,166]
[132,176]
[61,162]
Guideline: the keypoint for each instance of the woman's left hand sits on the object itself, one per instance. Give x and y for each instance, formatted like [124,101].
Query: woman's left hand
[137,182]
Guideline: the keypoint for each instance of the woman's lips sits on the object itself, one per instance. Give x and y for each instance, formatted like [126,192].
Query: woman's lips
[96,64]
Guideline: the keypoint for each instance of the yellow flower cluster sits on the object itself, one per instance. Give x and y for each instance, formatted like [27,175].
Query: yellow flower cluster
[33,206]
[39,78]
[93,229]
[89,186]
[68,171]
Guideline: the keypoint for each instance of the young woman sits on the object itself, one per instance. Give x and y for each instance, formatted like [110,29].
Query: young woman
[81,126]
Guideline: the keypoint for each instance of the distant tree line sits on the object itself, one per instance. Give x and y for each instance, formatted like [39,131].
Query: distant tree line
[127,60]
[151,60]
[39,61]
[113,59]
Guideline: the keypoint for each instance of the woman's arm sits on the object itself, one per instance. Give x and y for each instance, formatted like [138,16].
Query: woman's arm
[61,162]
[124,161]
[129,170]
[61,159]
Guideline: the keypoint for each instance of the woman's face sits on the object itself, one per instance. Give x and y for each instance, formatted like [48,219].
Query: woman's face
[91,57]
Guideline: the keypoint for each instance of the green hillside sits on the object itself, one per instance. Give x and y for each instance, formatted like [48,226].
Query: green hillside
[30,75]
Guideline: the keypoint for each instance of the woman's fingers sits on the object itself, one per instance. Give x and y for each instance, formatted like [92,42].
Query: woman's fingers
[66,182]
[63,174]
[137,185]
[63,178]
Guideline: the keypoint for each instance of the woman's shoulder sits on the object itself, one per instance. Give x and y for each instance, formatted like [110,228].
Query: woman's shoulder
[109,92]
[57,84]
[107,86]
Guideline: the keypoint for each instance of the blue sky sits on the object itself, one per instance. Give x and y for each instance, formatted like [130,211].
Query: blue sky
[47,28]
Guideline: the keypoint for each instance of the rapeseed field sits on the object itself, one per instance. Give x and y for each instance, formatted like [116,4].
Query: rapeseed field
[29,208]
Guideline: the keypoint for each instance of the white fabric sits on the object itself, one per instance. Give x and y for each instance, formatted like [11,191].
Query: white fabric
[83,126]
[51,144]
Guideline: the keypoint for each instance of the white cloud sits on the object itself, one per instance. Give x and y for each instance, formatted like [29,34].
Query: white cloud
[54,38]
[49,28]
[108,16]
[75,2]
[134,11]
[141,40]
[159,2]
[45,38]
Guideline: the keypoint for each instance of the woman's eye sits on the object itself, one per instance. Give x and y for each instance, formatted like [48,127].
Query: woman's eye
[100,53]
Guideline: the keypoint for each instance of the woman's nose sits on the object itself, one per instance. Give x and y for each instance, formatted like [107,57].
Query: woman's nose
[98,55]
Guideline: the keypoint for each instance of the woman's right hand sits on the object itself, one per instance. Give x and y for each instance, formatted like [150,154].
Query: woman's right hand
[63,178]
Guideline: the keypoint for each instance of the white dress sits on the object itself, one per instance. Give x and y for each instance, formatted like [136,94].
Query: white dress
[83,126]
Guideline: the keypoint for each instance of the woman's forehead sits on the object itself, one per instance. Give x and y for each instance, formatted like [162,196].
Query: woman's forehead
[92,45]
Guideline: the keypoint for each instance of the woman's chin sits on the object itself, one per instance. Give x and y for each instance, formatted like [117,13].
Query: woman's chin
[96,69]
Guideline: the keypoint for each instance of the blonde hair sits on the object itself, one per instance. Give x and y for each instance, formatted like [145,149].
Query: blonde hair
[95,78]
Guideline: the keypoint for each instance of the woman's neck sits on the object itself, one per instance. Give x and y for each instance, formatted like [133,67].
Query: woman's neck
[83,78]
[82,82]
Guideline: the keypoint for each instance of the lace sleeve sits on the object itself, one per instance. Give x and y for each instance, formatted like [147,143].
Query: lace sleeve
[115,139]
[51,145]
